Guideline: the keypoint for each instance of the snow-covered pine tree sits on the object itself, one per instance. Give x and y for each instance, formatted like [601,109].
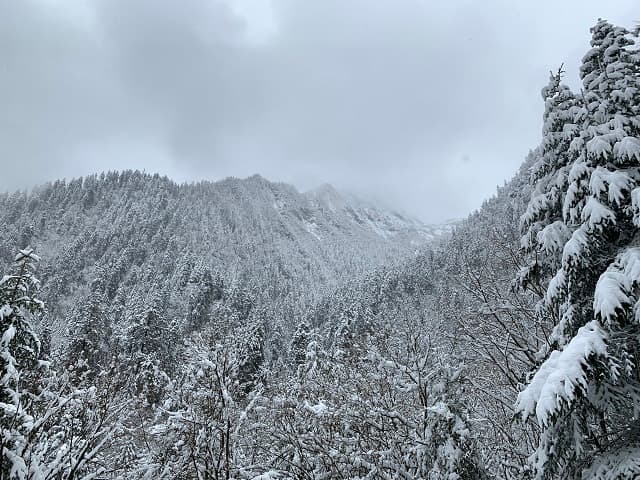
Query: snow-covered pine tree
[48,428]
[353,329]
[150,341]
[249,340]
[299,342]
[546,231]
[89,329]
[204,290]
[585,395]
[19,350]
[453,445]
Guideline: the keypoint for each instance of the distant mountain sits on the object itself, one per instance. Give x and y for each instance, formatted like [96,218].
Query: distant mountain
[120,237]
[385,223]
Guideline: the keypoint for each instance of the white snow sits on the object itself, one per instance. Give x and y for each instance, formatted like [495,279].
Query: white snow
[576,144]
[8,335]
[627,148]
[5,311]
[575,247]
[556,285]
[562,375]
[312,228]
[599,147]
[271,474]
[614,183]
[635,205]
[26,253]
[553,237]
[615,286]
[318,409]
[578,170]
[611,295]
[279,205]
[537,203]
[596,215]
[621,463]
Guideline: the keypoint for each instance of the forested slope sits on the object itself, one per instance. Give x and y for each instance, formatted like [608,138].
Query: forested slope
[119,243]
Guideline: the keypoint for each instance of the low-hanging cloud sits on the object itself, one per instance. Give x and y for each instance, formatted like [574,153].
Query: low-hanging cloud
[424,105]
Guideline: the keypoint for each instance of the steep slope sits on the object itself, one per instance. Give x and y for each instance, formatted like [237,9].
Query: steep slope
[124,241]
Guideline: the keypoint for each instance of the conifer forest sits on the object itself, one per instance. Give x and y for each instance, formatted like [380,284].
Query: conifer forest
[248,329]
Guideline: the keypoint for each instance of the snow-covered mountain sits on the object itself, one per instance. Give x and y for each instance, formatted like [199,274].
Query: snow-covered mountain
[385,223]
[229,223]
[122,235]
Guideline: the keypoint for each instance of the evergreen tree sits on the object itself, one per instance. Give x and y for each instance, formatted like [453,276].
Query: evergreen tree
[584,395]
[19,352]
[89,331]
[150,344]
[249,340]
[49,428]
[546,231]
[454,450]
[299,343]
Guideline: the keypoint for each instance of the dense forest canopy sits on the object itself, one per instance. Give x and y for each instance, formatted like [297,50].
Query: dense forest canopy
[244,330]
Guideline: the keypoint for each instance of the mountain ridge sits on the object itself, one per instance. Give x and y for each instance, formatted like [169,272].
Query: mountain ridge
[382,221]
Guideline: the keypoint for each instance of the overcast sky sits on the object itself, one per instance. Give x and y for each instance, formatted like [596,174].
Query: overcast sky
[426,105]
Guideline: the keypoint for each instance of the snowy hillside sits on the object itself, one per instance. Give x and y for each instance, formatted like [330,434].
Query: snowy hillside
[231,223]
[130,233]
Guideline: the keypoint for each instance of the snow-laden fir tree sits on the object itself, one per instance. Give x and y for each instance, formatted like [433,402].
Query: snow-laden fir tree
[19,351]
[89,329]
[148,342]
[49,428]
[585,396]
[546,232]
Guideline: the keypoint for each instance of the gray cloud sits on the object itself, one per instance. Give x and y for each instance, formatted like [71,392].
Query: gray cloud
[426,106]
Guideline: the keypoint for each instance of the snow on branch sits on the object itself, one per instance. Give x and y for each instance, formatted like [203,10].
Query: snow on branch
[627,148]
[575,247]
[614,290]
[563,375]
[614,183]
[622,463]
[553,237]
[599,147]
[596,215]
